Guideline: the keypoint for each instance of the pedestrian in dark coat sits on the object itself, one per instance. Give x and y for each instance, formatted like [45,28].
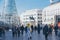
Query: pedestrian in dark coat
[32,28]
[50,30]
[35,28]
[4,31]
[14,31]
[22,29]
[18,31]
[1,31]
[45,31]
[56,30]
[26,29]
[38,29]
[58,33]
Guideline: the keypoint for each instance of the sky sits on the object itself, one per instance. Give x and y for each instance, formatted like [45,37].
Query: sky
[23,5]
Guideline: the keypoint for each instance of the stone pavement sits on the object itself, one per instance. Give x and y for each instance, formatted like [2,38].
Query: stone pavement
[35,36]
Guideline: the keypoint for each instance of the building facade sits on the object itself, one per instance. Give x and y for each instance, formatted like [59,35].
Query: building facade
[50,12]
[33,17]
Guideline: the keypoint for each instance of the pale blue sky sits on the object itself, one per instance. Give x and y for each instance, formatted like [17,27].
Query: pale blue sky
[23,5]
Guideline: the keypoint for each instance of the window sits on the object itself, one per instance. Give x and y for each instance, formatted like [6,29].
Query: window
[40,21]
[39,17]
[51,18]
[45,20]
[39,14]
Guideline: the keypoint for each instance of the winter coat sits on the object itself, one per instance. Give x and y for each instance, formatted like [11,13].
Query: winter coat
[45,30]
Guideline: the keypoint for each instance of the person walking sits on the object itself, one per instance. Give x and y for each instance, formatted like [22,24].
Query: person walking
[45,31]
[32,28]
[50,30]
[14,31]
[26,29]
[35,28]
[18,31]
[29,31]
[22,29]
[38,29]
[1,31]
[58,33]
[56,30]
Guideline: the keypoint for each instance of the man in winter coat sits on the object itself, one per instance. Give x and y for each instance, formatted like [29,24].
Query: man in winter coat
[22,29]
[18,31]
[50,30]
[32,28]
[45,31]
[56,29]
[26,29]
[38,29]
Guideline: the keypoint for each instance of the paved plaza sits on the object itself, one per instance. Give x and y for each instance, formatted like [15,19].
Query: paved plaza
[35,36]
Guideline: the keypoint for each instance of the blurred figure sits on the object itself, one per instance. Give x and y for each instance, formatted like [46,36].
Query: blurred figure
[56,29]
[26,29]
[14,31]
[31,28]
[50,29]
[22,29]
[2,32]
[38,29]
[18,30]
[29,31]
[58,33]
[7,28]
[35,28]
[45,31]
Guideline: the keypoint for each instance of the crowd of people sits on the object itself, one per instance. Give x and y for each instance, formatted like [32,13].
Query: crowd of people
[16,31]
[47,30]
